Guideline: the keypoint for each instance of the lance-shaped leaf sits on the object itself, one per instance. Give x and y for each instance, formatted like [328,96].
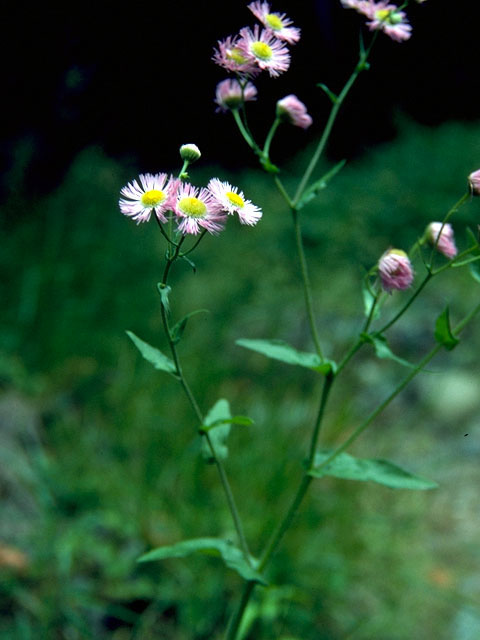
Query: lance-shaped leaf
[164,291]
[280,350]
[220,417]
[317,186]
[443,333]
[153,355]
[177,330]
[329,92]
[382,350]
[368,470]
[241,420]
[230,554]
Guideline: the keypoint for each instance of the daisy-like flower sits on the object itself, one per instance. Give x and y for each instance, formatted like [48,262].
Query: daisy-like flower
[233,201]
[474,182]
[278,23]
[446,242]
[293,111]
[152,194]
[395,270]
[263,48]
[382,16]
[229,94]
[231,57]
[197,209]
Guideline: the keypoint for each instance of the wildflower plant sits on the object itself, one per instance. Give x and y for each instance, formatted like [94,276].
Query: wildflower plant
[186,214]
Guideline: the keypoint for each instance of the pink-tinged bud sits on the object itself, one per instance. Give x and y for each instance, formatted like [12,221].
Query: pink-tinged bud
[474,180]
[395,270]
[446,242]
[229,94]
[293,111]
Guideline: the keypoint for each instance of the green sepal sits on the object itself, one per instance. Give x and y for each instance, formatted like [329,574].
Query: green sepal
[164,291]
[280,350]
[153,355]
[220,417]
[382,350]
[241,420]
[333,97]
[319,185]
[230,554]
[176,332]
[443,332]
[368,470]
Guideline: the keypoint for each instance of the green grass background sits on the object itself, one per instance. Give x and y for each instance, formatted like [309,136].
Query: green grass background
[100,458]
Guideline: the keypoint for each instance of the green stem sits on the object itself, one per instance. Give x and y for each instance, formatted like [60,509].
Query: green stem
[245,133]
[269,138]
[453,210]
[421,286]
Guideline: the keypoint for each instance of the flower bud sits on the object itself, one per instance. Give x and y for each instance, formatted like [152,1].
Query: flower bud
[293,111]
[189,152]
[474,181]
[445,242]
[229,94]
[395,270]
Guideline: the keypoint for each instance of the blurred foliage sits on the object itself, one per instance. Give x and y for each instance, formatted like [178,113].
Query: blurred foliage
[100,459]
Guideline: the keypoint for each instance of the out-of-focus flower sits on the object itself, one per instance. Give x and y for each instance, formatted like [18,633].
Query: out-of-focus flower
[474,181]
[196,209]
[276,22]
[233,201]
[152,194]
[231,57]
[293,111]
[190,152]
[383,16]
[446,242]
[230,95]
[395,270]
[263,48]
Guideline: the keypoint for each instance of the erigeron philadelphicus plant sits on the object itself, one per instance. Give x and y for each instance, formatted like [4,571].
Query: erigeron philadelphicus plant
[185,214]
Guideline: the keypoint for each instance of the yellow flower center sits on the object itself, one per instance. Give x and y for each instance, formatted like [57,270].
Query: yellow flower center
[192,207]
[235,199]
[273,21]
[388,16]
[152,198]
[236,55]
[262,50]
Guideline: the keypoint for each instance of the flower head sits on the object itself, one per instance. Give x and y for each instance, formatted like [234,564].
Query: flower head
[474,181]
[197,208]
[231,57]
[152,194]
[190,152]
[230,94]
[293,111]
[382,16]
[232,201]
[278,23]
[441,237]
[395,270]
[265,50]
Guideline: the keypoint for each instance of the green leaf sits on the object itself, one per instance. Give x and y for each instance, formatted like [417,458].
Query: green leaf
[443,333]
[177,330]
[230,554]
[153,355]
[241,420]
[164,291]
[220,417]
[317,186]
[368,470]
[330,94]
[191,263]
[280,350]
[382,350]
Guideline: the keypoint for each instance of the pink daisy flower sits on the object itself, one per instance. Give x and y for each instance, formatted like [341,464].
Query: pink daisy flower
[278,23]
[197,209]
[233,201]
[395,270]
[474,182]
[383,16]
[265,50]
[152,194]
[446,242]
[230,94]
[293,111]
[230,56]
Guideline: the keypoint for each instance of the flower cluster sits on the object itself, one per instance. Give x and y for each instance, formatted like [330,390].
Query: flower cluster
[382,16]
[191,207]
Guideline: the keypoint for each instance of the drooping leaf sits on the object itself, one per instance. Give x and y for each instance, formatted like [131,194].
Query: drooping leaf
[329,92]
[382,350]
[443,332]
[164,291]
[220,414]
[153,355]
[280,350]
[369,470]
[179,327]
[318,185]
[230,554]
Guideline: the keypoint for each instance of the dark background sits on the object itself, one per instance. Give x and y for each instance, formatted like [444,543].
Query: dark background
[88,73]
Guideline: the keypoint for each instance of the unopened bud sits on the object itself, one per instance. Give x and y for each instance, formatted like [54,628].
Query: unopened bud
[441,237]
[395,270]
[474,180]
[190,152]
